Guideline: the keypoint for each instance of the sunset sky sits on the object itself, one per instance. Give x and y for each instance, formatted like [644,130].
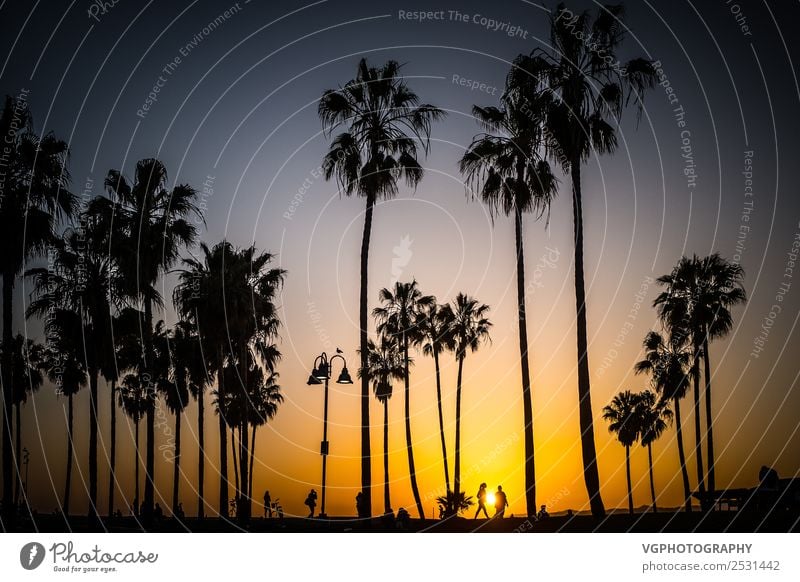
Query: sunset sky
[238,111]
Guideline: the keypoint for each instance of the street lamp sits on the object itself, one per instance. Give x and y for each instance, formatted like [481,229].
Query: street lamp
[322,373]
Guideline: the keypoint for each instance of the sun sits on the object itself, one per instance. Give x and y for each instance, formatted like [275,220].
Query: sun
[490,499]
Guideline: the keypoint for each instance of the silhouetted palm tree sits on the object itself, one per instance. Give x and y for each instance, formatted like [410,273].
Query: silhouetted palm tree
[470,327]
[82,276]
[136,399]
[621,415]
[653,414]
[384,124]
[434,327]
[454,503]
[34,200]
[65,366]
[26,376]
[397,319]
[386,364]
[699,296]
[152,225]
[504,165]
[590,88]
[264,402]
[668,362]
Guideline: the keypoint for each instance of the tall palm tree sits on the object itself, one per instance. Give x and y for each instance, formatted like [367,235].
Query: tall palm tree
[668,362]
[621,415]
[154,223]
[65,366]
[590,90]
[386,364]
[505,169]
[383,122]
[397,319]
[434,327]
[172,381]
[81,277]
[35,200]
[699,295]
[653,416]
[136,399]
[26,373]
[264,402]
[470,330]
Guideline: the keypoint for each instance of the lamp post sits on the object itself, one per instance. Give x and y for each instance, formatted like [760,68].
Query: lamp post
[322,373]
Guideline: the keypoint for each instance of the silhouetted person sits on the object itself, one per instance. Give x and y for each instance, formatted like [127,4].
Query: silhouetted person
[403,519]
[158,513]
[311,502]
[267,504]
[360,504]
[482,501]
[542,513]
[500,502]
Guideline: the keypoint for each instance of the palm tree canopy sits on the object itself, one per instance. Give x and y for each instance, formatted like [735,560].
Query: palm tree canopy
[622,417]
[699,295]
[654,416]
[28,358]
[398,316]
[668,362]
[434,324]
[385,363]
[385,124]
[65,361]
[470,324]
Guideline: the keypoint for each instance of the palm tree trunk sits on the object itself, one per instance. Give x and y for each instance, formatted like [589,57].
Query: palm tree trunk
[698,450]
[687,492]
[149,475]
[441,416]
[93,511]
[112,479]
[176,474]
[709,418]
[628,476]
[223,441]
[244,497]
[68,480]
[366,461]
[457,465]
[252,457]
[409,447]
[588,451]
[652,482]
[527,404]
[18,491]
[137,458]
[201,468]
[235,461]
[387,504]
[8,462]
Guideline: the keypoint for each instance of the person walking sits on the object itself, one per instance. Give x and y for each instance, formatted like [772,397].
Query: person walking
[267,504]
[500,502]
[482,501]
[311,502]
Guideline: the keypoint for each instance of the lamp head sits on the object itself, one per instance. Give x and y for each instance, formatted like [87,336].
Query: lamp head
[344,377]
[321,372]
[313,380]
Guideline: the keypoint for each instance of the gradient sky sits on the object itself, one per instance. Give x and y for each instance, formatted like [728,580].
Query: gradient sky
[240,108]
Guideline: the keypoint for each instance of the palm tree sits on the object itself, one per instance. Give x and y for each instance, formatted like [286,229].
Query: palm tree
[154,224]
[590,90]
[470,330]
[27,361]
[83,277]
[172,381]
[667,360]
[505,167]
[433,325]
[653,415]
[136,399]
[65,366]
[699,296]
[383,124]
[34,200]
[264,402]
[621,415]
[397,319]
[385,365]
[454,503]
